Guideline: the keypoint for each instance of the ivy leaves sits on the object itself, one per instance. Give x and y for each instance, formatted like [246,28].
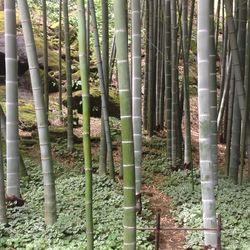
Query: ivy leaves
[26,224]
[233,204]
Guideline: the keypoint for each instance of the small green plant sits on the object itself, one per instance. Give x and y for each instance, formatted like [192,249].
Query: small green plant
[232,204]
[26,229]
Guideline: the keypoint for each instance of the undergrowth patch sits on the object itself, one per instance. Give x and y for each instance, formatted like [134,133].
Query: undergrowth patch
[233,204]
[27,230]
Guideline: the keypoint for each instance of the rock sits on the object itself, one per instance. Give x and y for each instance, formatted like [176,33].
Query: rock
[23,66]
[21,53]
[95,103]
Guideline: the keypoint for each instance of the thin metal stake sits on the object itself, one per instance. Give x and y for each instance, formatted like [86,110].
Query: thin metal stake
[157,230]
[219,232]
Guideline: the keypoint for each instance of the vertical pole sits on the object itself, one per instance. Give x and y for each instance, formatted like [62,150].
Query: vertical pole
[219,232]
[157,230]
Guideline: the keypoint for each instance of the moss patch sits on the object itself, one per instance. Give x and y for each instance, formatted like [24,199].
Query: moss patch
[27,113]
[2,94]
[26,110]
[53,55]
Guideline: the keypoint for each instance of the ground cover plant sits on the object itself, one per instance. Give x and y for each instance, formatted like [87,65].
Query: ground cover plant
[123,110]
[232,204]
[26,228]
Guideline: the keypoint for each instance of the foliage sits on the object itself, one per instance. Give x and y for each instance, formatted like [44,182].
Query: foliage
[232,204]
[155,159]
[26,229]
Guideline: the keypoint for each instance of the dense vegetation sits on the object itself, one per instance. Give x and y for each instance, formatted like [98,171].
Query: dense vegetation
[26,228]
[134,103]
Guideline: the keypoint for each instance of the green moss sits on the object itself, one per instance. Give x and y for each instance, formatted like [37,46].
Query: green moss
[26,110]
[2,94]
[95,92]
[53,55]
[27,113]
[57,130]
[76,76]
[114,96]
[2,21]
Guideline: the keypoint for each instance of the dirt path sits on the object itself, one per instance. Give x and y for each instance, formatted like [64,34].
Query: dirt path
[169,240]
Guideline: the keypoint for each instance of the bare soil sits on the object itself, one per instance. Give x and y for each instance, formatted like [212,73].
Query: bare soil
[169,240]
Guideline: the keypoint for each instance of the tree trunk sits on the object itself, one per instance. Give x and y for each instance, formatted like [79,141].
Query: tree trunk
[129,223]
[206,168]
[42,121]
[70,142]
[103,90]
[84,68]
[136,94]
[12,145]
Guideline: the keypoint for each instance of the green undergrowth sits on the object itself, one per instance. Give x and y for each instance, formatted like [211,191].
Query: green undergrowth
[27,230]
[26,108]
[155,159]
[233,204]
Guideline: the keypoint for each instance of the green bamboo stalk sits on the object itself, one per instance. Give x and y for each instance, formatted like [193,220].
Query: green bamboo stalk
[235,56]
[45,57]
[86,121]
[237,67]
[174,84]
[245,121]
[158,66]
[88,29]
[190,26]
[112,59]
[241,36]
[70,139]
[161,76]
[146,68]
[105,63]
[217,25]
[129,222]
[103,90]
[60,61]
[42,121]
[206,167]
[213,93]
[236,127]
[23,170]
[3,217]
[225,91]
[151,70]
[168,84]
[136,95]
[223,65]
[12,133]
[229,122]
[235,142]
[188,146]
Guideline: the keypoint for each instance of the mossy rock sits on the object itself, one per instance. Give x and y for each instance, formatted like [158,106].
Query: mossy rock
[28,142]
[27,116]
[95,102]
[23,63]
[60,132]
[18,23]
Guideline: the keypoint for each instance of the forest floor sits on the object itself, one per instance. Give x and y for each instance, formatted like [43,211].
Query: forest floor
[171,240]
[161,194]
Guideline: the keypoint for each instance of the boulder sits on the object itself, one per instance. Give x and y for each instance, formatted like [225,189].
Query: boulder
[23,73]
[95,102]
[21,53]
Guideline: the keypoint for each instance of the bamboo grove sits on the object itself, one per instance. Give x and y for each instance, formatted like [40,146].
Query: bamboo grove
[159,51]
